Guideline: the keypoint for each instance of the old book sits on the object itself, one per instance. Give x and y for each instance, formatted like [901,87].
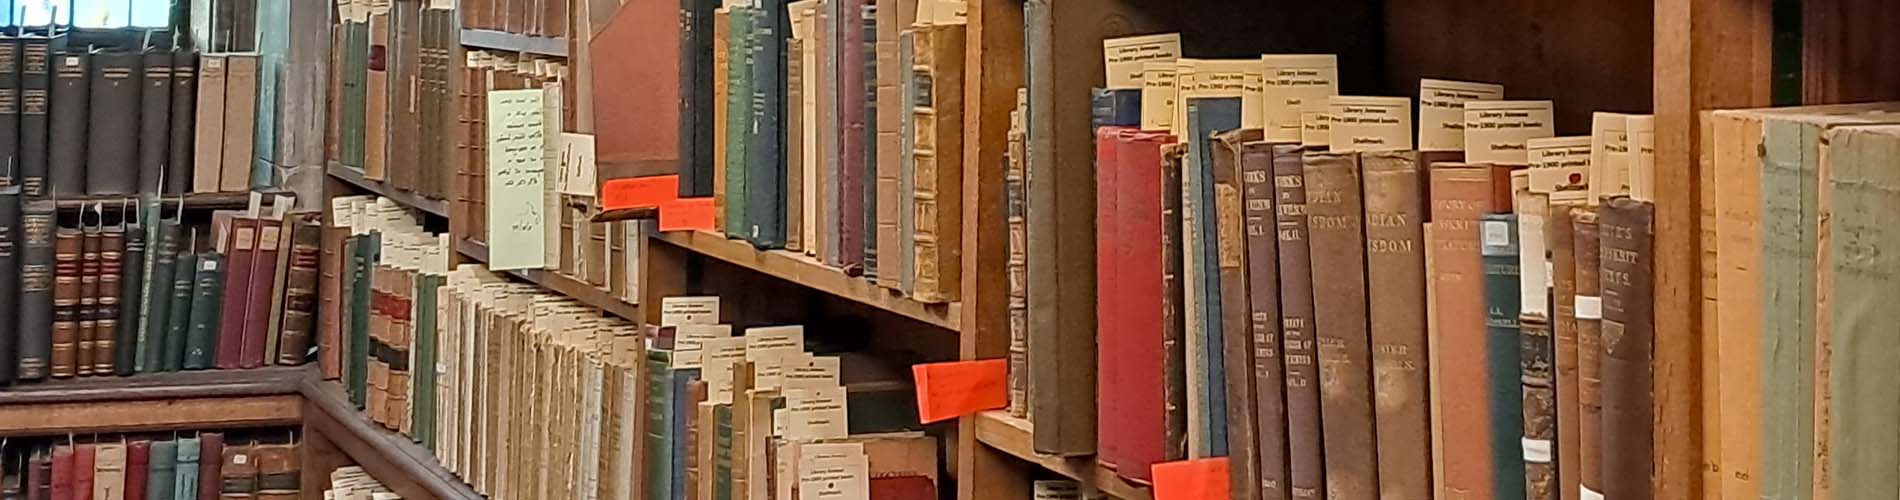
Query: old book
[36,79]
[825,21]
[739,80]
[207,274]
[1207,393]
[298,323]
[37,289]
[867,91]
[112,156]
[376,95]
[62,471]
[794,135]
[181,133]
[1502,302]
[11,249]
[138,460]
[10,48]
[278,472]
[1236,321]
[853,115]
[89,292]
[185,473]
[238,473]
[1563,299]
[1628,349]
[892,18]
[937,153]
[1460,196]
[68,244]
[239,244]
[240,119]
[208,145]
[210,472]
[1016,256]
[111,244]
[1855,188]
[647,133]
[85,460]
[765,145]
[132,259]
[1536,347]
[1132,358]
[109,472]
[66,123]
[1396,275]
[1336,233]
[1586,240]
[1306,467]
[813,151]
[1263,313]
[330,319]
[721,109]
[267,275]
[160,474]
[178,319]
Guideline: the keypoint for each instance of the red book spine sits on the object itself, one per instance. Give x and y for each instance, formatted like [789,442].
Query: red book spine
[39,472]
[210,466]
[851,136]
[237,287]
[257,306]
[1134,347]
[1109,383]
[62,472]
[138,458]
[83,456]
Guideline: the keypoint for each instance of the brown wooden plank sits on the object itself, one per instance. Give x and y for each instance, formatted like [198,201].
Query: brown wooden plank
[999,431]
[1850,51]
[320,457]
[559,283]
[150,415]
[807,272]
[1709,54]
[406,467]
[406,198]
[156,386]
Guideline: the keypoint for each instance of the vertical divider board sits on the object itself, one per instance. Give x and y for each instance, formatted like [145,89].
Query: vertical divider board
[993,66]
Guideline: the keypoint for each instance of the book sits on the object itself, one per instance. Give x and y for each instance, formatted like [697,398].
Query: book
[279,472]
[36,80]
[111,247]
[67,100]
[12,248]
[1263,305]
[1207,396]
[1336,225]
[764,143]
[1306,468]
[853,117]
[87,313]
[209,127]
[132,260]
[178,318]
[184,118]
[1174,388]
[10,52]
[1016,256]
[68,244]
[206,299]
[1853,190]
[1587,243]
[1396,277]
[138,459]
[37,283]
[937,162]
[266,274]
[1625,227]
[1236,320]
[1131,364]
[298,324]
[210,472]
[1460,194]
[1500,247]
[239,472]
[238,241]
[84,470]
[1536,345]
[239,126]
[739,80]
[112,156]
[161,473]
[153,128]
[185,472]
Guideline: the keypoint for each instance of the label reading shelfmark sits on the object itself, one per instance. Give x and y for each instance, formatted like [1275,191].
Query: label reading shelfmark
[1536,450]
[1441,111]
[1497,234]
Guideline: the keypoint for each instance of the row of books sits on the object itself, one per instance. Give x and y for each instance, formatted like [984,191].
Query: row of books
[138,467]
[1798,281]
[134,291]
[351,482]
[539,18]
[390,106]
[1340,303]
[758,415]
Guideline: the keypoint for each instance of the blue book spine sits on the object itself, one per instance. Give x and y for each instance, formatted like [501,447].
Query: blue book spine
[1502,301]
[185,473]
[1205,118]
[1116,108]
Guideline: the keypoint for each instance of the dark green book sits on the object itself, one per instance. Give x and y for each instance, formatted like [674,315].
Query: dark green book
[161,467]
[1502,301]
[659,436]
[158,297]
[764,182]
[178,312]
[9,272]
[207,288]
[363,257]
[131,284]
[36,290]
[422,403]
[722,453]
[738,119]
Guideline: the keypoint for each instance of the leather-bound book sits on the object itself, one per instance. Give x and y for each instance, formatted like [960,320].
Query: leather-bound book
[238,474]
[11,248]
[1395,274]
[1460,197]
[37,223]
[267,279]
[1563,264]
[330,320]
[1588,244]
[158,296]
[1207,403]
[1626,229]
[1016,260]
[138,459]
[68,244]
[852,118]
[109,472]
[1131,406]
[794,137]
[202,318]
[298,326]
[240,250]
[696,136]
[907,151]
[1306,466]
[1236,320]
[1335,232]
[10,48]
[1536,347]
[868,92]
[210,472]
[160,474]
[765,142]
[208,130]
[278,472]
[185,475]
[739,79]
[39,476]
[131,285]
[112,154]
[155,120]
[106,295]
[66,124]
[85,462]
[184,119]
[63,473]
[376,104]
[1504,386]
[937,194]
[178,348]
[892,17]
[1263,312]
[36,78]
[240,124]
[721,110]
[87,314]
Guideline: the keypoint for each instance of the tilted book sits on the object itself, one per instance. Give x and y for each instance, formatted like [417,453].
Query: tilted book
[1236,321]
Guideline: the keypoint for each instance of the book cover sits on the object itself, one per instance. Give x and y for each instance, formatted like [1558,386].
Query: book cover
[154,123]
[210,472]
[938,162]
[1498,240]
[85,468]
[1263,306]
[1563,299]
[10,52]
[240,122]
[1536,345]
[66,123]
[1132,408]
[112,156]
[1236,321]
[106,295]
[36,290]
[1396,279]
[1856,189]
[138,459]
[266,279]
[238,243]
[1626,227]
[1206,116]
[207,292]
[765,141]
[853,118]
[160,474]
[239,472]
[185,468]
[1306,466]
[301,294]
[1589,303]
[739,81]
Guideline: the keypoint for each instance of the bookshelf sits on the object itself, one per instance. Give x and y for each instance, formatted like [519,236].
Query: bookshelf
[559,283]
[334,425]
[193,201]
[216,399]
[1010,435]
[353,177]
[808,272]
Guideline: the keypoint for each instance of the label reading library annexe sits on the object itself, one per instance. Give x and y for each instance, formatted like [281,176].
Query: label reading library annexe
[1559,163]
[1496,131]
[833,471]
[689,342]
[516,180]
[1363,123]
[1158,94]
[1125,58]
[721,356]
[675,311]
[1441,111]
[815,414]
[1292,84]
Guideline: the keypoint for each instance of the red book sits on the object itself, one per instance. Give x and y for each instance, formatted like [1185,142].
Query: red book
[39,477]
[238,244]
[210,466]
[903,488]
[263,275]
[851,136]
[83,456]
[1133,409]
[138,458]
[62,472]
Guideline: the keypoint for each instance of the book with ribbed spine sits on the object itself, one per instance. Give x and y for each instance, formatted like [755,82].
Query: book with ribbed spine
[867,47]
[1536,346]
[86,315]
[298,322]
[106,295]
[1498,240]
[937,155]
[68,244]
[36,289]
[1016,260]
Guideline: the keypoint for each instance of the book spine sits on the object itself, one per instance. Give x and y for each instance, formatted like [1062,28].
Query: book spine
[183,118]
[238,474]
[68,244]
[331,297]
[1536,348]
[87,315]
[1016,262]
[1502,303]
[721,85]
[853,118]
[36,65]
[210,472]
[112,155]
[738,117]
[266,278]
[1263,315]
[1207,117]
[106,295]
[1628,348]
[10,48]
[1460,196]
[765,155]
[1306,468]
[138,460]
[206,288]
[1115,446]
[240,123]
[185,469]
[159,475]
[938,186]
[238,280]
[1587,242]
[12,328]
[131,285]
[886,140]
[1174,388]
[907,154]
[1563,260]
[154,125]
[178,315]
[794,140]
[300,295]
[867,49]
[1236,324]
[659,415]
[691,166]
[66,157]
[85,468]
[1336,223]
[1395,274]
[37,278]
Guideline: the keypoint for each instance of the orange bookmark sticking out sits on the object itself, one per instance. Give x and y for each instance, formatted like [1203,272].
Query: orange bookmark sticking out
[639,192]
[1204,479]
[687,214]
[950,390]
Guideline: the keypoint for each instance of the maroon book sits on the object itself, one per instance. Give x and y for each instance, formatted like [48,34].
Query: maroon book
[238,251]
[210,466]
[851,135]
[138,458]
[83,456]
[1108,306]
[263,277]
[903,488]
[39,477]
[1132,409]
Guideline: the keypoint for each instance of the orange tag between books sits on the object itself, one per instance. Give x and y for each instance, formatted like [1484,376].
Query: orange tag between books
[639,192]
[950,390]
[1204,479]
[687,214]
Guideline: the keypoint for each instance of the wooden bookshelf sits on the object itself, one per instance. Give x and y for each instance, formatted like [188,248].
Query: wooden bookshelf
[158,401]
[810,273]
[560,283]
[501,40]
[1001,432]
[398,462]
[353,177]
[193,201]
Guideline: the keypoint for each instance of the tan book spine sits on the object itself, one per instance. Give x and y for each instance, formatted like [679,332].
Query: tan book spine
[240,122]
[1397,309]
[376,101]
[108,476]
[938,153]
[209,136]
[1563,263]
[1460,196]
[1738,247]
[1336,225]
[721,66]
[889,134]
[1712,385]
[1589,304]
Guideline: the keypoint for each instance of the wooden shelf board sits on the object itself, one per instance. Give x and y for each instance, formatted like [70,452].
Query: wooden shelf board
[147,386]
[193,201]
[810,273]
[562,284]
[409,199]
[157,401]
[1011,435]
[405,466]
[501,40]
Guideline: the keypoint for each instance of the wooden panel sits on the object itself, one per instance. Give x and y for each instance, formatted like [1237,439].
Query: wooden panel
[150,415]
[1001,432]
[320,457]
[1710,54]
[810,273]
[1587,56]
[157,386]
[406,467]
[1850,51]
[559,283]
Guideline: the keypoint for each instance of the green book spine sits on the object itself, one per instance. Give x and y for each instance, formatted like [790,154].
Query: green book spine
[160,467]
[185,471]
[362,248]
[423,369]
[659,424]
[722,453]
[1502,302]
[738,118]
[178,316]
[158,298]
[355,69]
[201,340]
[131,283]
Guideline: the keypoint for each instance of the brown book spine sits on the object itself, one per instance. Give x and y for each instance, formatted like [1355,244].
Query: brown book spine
[1306,467]
[1263,301]
[279,472]
[938,157]
[1395,265]
[376,100]
[106,326]
[1628,347]
[1173,317]
[1563,263]
[68,244]
[300,293]
[88,316]
[209,136]
[795,167]
[329,295]
[1237,340]
[239,473]
[721,67]
[1589,312]
[1460,196]
[1335,228]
